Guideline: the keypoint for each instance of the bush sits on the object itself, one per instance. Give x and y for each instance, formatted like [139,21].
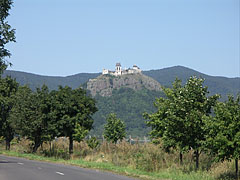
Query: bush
[93,143]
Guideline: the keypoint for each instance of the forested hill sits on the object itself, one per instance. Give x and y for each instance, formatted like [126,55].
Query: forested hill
[127,103]
[52,82]
[165,77]
[215,84]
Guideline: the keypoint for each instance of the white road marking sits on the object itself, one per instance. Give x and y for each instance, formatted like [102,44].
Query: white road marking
[4,160]
[20,163]
[39,168]
[60,173]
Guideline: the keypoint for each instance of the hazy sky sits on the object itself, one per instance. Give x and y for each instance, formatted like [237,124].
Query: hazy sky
[65,37]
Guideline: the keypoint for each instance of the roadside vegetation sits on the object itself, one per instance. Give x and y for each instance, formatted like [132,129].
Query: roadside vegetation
[193,135]
[144,161]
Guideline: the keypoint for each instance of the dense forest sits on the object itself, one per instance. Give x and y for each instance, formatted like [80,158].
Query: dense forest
[129,105]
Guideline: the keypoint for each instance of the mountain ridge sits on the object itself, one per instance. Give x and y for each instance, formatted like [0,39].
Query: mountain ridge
[128,104]
[216,84]
[162,69]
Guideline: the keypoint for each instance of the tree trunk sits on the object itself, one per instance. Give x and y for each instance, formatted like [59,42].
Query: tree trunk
[36,146]
[236,168]
[9,137]
[50,145]
[37,143]
[7,144]
[181,158]
[70,144]
[197,159]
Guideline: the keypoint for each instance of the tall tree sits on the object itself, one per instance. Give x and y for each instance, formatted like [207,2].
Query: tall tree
[179,119]
[7,34]
[73,111]
[8,89]
[223,137]
[168,109]
[32,115]
[114,129]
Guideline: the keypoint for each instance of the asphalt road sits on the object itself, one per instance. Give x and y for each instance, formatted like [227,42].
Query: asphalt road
[12,168]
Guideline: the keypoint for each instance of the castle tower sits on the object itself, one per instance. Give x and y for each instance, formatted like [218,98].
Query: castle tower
[118,71]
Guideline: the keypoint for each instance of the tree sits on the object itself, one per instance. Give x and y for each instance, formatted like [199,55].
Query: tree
[168,109]
[32,115]
[7,34]
[223,137]
[73,111]
[179,119]
[8,88]
[114,129]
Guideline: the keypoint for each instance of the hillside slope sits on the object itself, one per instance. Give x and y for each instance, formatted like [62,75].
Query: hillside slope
[165,77]
[129,105]
[129,102]
[215,84]
[52,82]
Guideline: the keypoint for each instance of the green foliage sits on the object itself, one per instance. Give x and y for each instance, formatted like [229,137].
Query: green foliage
[34,81]
[41,116]
[215,84]
[223,130]
[79,133]
[32,115]
[1,139]
[7,34]
[179,118]
[73,111]
[129,105]
[8,88]
[114,129]
[93,143]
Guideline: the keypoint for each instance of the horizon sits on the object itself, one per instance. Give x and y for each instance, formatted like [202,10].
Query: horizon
[86,36]
[111,69]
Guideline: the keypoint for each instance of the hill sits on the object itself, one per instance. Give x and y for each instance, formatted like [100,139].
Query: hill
[215,84]
[34,81]
[129,105]
[125,98]
[129,96]
[165,77]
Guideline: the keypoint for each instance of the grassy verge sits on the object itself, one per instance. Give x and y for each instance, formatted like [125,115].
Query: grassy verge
[166,174]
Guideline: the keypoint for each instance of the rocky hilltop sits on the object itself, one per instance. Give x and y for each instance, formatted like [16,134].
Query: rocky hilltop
[105,84]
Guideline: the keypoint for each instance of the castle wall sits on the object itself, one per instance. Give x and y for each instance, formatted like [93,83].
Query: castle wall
[105,71]
[120,72]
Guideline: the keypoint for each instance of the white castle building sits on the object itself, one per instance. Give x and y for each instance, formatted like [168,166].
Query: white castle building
[118,70]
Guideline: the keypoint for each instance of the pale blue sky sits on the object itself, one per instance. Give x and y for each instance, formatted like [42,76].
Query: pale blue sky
[65,37]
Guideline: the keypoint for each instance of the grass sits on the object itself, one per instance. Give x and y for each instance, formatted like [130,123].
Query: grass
[164,175]
[143,161]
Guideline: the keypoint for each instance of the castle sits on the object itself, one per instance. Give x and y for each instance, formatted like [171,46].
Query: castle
[118,70]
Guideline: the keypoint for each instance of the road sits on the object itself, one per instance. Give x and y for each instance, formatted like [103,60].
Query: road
[12,168]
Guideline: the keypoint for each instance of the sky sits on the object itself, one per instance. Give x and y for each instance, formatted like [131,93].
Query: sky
[66,37]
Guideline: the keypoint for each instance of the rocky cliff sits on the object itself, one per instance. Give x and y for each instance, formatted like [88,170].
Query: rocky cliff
[105,84]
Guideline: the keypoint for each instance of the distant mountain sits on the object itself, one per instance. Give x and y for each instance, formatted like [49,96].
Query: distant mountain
[128,96]
[215,84]
[52,82]
[165,77]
